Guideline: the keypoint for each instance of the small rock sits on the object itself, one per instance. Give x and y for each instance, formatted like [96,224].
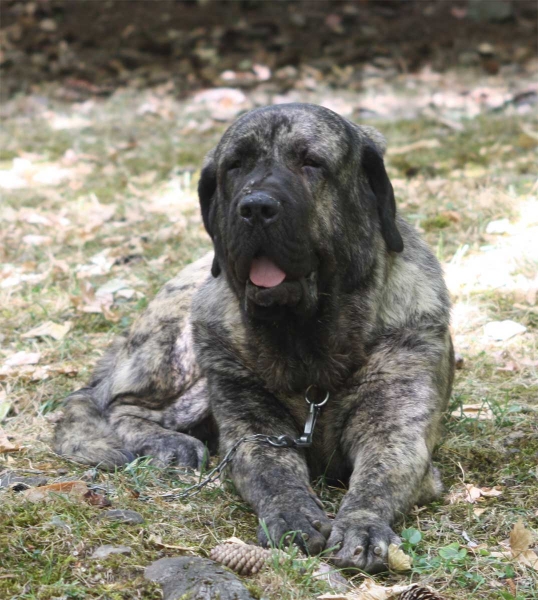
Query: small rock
[192,577]
[18,483]
[107,550]
[459,361]
[503,330]
[124,516]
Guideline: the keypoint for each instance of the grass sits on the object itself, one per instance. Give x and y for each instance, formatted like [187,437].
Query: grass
[128,185]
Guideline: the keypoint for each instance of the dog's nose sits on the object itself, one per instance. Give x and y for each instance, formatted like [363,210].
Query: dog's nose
[259,208]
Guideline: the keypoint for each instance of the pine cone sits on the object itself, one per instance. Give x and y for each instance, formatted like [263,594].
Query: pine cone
[418,592]
[244,559]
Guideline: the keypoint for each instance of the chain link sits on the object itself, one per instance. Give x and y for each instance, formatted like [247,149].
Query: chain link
[215,472]
[281,441]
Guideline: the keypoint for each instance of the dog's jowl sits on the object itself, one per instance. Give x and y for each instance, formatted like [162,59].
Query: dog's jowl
[315,281]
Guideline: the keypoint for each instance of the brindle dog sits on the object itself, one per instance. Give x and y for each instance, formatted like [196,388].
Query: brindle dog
[315,281]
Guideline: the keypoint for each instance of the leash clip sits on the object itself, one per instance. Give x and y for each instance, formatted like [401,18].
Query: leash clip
[305,441]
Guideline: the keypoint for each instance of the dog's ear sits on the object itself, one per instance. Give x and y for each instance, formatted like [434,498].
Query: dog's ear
[207,186]
[373,146]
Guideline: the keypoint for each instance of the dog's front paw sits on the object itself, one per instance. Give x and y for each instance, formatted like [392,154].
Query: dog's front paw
[300,522]
[361,542]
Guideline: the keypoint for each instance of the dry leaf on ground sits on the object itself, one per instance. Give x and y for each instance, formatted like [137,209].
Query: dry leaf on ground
[473,411]
[73,489]
[5,405]
[472,494]
[23,358]
[5,444]
[96,499]
[88,302]
[370,590]
[520,542]
[398,559]
[49,329]
[158,541]
[414,146]
[501,331]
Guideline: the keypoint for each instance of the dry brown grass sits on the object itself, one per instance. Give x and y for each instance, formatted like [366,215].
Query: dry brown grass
[108,193]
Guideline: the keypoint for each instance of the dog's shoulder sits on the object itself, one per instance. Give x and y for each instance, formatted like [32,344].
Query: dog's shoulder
[414,290]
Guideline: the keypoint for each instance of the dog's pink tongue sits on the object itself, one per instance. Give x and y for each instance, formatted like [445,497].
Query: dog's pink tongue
[265,273]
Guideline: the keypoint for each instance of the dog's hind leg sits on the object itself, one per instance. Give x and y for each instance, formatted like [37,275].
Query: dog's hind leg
[158,433]
[85,436]
[147,392]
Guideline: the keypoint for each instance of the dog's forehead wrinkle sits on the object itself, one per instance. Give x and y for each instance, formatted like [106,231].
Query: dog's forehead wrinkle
[275,130]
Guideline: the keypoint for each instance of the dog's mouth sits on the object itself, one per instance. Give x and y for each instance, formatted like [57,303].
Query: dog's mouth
[270,291]
[264,273]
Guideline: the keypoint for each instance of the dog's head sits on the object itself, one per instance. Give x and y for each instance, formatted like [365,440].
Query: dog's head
[296,200]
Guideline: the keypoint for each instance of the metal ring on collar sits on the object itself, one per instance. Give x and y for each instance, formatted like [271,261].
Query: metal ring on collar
[322,403]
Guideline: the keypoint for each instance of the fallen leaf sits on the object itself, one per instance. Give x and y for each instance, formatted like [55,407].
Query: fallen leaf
[23,358]
[501,331]
[234,540]
[88,302]
[73,489]
[520,542]
[5,444]
[419,145]
[480,412]
[490,492]
[370,590]
[510,367]
[49,329]
[111,287]
[472,494]
[107,550]
[100,264]
[37,240]
[5,405]
[95,499]
[499,227]
[157,540]
[398,559]
[450,215]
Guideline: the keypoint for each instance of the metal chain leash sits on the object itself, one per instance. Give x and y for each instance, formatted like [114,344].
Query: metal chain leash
[281,441]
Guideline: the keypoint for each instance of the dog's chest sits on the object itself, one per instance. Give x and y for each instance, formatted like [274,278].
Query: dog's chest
[324,456]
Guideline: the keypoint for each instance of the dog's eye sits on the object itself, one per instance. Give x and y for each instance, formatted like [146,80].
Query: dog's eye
[236,164]
[308,161]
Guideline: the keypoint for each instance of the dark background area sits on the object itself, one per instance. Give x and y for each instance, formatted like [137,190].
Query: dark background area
[95,46]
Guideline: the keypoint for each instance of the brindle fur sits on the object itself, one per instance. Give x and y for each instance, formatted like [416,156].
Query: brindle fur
[364,316]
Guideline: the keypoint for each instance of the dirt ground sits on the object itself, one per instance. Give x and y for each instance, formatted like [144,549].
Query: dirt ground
[98,173]
[94,47]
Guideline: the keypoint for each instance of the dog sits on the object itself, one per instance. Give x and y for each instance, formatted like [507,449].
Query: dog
[316,289]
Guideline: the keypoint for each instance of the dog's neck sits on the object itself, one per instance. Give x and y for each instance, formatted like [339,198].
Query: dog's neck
[324,350]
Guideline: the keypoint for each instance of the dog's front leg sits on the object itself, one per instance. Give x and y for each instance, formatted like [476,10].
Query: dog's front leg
[274,481]
[388,439]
